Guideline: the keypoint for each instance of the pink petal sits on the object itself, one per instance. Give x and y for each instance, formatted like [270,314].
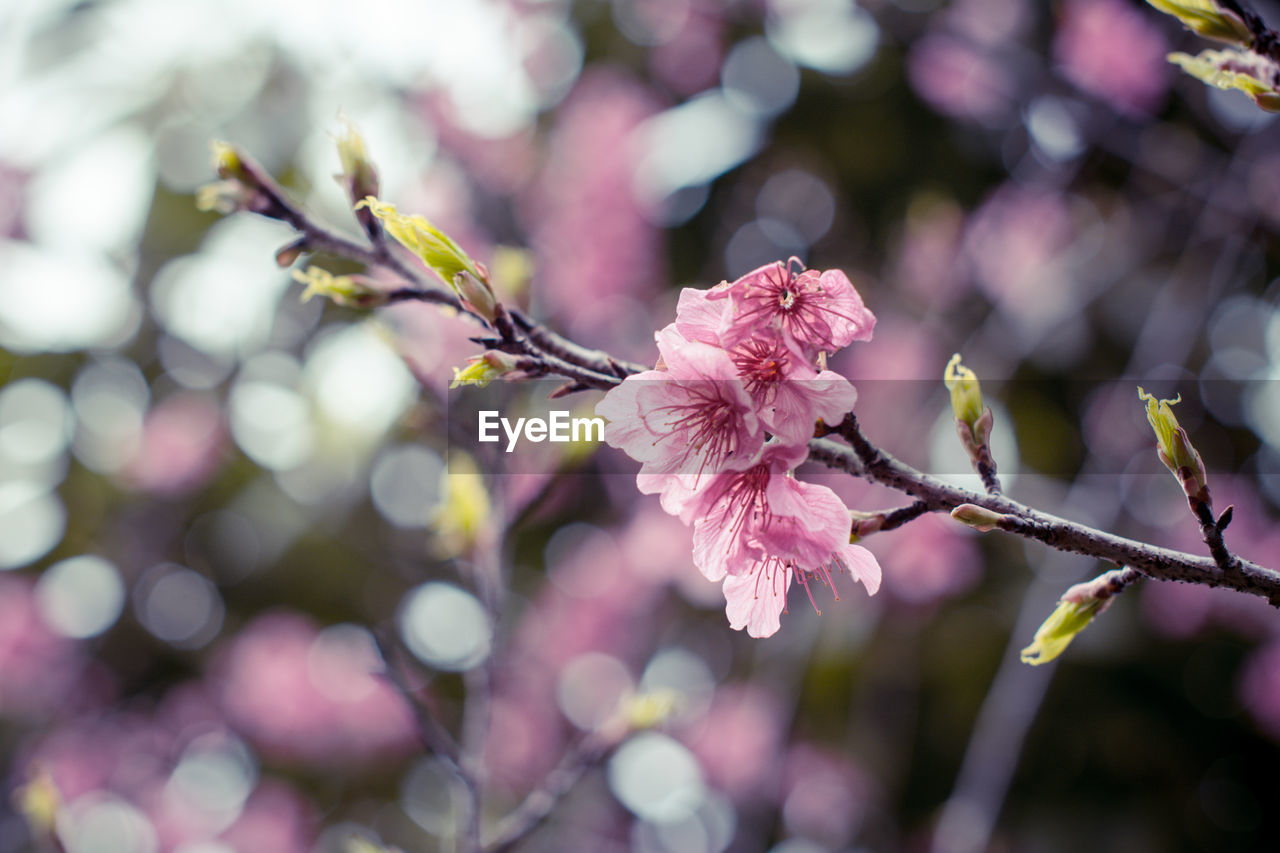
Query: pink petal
[862,564]
[755,601]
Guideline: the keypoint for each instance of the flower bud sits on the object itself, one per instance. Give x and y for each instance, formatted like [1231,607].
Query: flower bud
[1249,72]
[228,162]
[482,369]
[863,524]
[476,295]
[1068,619]
[345,290]
[1207,18]
[244,185]
[225,197]
[432,246]
[1172,444]
[359,177]
[288,254]
[977,517]
[966,395]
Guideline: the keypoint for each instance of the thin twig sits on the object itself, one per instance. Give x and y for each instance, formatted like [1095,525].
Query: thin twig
[433,733]
[539,803]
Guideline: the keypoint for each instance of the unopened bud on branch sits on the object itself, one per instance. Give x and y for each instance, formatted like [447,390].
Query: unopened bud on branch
[1207,18]
[482,369]
[1252,73]
[476,295]
[348,291]
[1068,619]
[1173,446]
[243,186]
[978,517]
[1074,612]
[432,246]
[966,395]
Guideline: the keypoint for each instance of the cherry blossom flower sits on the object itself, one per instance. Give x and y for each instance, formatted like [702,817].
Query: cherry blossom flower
[789,394]
[759,529]
[757,599]
[820,312]
[689,418]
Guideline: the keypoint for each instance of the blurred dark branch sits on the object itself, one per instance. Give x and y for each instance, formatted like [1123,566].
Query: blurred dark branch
[434,735]
[538,805]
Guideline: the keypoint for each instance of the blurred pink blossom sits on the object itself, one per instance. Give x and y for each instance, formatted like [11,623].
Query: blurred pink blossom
[689,61]
[133,755]
[275,818]
[740,740]
[586,226]
[989,22]
[39,668]
[301,695]
[959,79]
[925,259]
[1113,50]
[501,165]
[1016,244]
[824,795]
[181,446]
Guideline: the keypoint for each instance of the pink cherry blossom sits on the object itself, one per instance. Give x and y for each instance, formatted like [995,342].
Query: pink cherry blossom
[700,316]
[1111,50]
[789,394]
[691,418]
[813,311]
[759,529]
[756,599]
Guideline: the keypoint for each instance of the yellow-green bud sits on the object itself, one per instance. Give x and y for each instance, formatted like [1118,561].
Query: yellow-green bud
[1207,18]
[432,246]
[359,177]
[1068,619]
[225,197]
[1246,71]
[228,162]
[1172,444]
[344,290]
[482,369]
[966,395]
[977,517]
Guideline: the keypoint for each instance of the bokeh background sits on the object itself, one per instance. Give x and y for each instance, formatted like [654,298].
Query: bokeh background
[212,493]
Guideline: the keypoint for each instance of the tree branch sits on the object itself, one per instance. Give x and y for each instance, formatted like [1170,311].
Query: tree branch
[869,462]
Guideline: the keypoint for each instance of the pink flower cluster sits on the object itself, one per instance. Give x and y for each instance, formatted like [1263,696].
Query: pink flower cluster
[722,422]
